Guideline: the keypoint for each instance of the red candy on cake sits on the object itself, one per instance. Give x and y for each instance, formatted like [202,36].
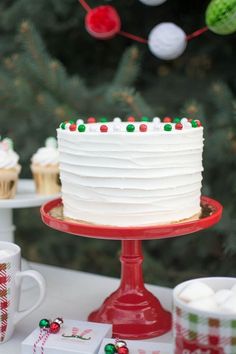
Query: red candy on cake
[167,120]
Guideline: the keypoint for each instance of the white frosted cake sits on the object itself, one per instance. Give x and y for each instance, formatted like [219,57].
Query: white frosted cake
[131,173]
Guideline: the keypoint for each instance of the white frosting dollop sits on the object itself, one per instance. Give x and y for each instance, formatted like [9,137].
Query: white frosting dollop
[47,155]
[8,157]
[167,41]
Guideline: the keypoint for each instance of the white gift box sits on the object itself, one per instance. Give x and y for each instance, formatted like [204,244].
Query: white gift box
[75,337]
[141,347]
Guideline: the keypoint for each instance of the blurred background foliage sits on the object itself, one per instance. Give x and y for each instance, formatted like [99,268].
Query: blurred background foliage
[52,70]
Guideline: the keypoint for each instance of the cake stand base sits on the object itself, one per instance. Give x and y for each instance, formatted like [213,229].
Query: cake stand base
[134,312]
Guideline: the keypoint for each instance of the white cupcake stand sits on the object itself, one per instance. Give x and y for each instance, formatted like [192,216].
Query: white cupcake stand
[26,197]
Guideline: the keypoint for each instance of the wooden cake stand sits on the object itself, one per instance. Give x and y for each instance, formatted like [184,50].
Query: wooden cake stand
[134,312]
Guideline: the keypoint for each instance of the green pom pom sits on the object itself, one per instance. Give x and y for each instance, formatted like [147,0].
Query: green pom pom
[81,128]
[167,127]
[103,120]
[194,124]
[71,121]
[63,125]
[130,128]
[44,323]
[176,120]
[221,16]
[144,119]
[110,348]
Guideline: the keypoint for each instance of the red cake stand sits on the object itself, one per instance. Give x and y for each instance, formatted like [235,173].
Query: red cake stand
[134,312]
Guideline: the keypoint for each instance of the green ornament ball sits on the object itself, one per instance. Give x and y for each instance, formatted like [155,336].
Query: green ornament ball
[221,16]
[130,128]
[167,127]
[110,348]
[144,119]
[81,128]
[176,120]
[103,120]
[44,323]
[63,125]
[194,124]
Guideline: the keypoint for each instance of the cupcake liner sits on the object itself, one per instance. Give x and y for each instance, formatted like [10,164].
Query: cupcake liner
[46,179]
[8,182]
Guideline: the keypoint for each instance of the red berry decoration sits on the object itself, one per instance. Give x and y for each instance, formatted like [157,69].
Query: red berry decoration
[103,22]
[143,127]
[130,119]
[199,124]
[91,120]
[103,128]
[123,350]
[73,127]
[54,327]
[167,120]
[178,126]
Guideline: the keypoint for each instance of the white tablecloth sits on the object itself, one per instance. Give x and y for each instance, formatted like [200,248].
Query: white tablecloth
[73,295]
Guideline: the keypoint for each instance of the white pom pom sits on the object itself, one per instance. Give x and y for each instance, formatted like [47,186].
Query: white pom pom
[152,2]
[79,121]
[167,41]
[117,120]
[195,290]
[204,304]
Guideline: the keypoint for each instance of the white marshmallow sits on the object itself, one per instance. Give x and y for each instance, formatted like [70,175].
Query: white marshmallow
[222,295]
[195,290]
[205,304]
[229,305]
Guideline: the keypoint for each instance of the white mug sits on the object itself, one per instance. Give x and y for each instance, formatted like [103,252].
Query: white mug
[10,286]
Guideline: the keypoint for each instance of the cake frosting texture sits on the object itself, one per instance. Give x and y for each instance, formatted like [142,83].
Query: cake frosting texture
[122,174]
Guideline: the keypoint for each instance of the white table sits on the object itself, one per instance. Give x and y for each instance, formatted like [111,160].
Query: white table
[73,295]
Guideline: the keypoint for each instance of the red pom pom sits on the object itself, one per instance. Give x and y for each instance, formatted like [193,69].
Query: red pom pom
[91,120]
[167,120]
[178,126]
[143,127]
[54,327]
[103,128]
[131,119]
[73,127]
[103,22]
[199,124]
[123,350]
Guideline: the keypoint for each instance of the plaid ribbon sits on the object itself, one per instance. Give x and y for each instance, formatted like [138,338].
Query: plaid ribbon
[207,333]
[4,302]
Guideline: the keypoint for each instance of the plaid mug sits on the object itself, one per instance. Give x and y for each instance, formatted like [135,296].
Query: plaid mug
[203,332]
[10,284]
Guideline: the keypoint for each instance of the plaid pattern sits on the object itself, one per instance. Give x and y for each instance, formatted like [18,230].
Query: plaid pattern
[4,302]
[219,335]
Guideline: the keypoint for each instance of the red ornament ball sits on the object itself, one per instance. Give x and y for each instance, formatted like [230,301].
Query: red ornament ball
[103,22]
[199,124]
[123,350]
[167,120]
[178,126]
[91,120]
[73,127]
[103,128]
[54,327]
[131,119]
[143,127]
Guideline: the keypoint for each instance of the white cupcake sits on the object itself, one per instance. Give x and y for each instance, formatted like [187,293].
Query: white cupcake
[9,169]
[45,168]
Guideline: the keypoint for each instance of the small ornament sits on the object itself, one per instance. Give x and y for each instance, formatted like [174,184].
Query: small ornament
[73,127]
[120,343]
[130,119]
[188,125]
[62,125]
[167,127]
[103,22]
[184,121]
[167,41]
[144,119]
[103,120]
[79,121]
[44,323]
[198,122]
[178,126]
[156,120]
[91,120]
[130,128]
[54,327]
[117,120]
[143,127]
[110,348]
[67,126]
[51,142]
[194,124]
[221,16]
[103,128]
[71,121]
[81,128]
[167,120]
[176,120]
[123,350]
[152,2]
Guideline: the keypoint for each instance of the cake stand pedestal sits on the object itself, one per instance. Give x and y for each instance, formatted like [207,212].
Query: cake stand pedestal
[25,198]
[134,312]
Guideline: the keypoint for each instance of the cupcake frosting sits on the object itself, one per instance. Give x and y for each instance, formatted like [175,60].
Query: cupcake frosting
[8,157]
[47,155]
